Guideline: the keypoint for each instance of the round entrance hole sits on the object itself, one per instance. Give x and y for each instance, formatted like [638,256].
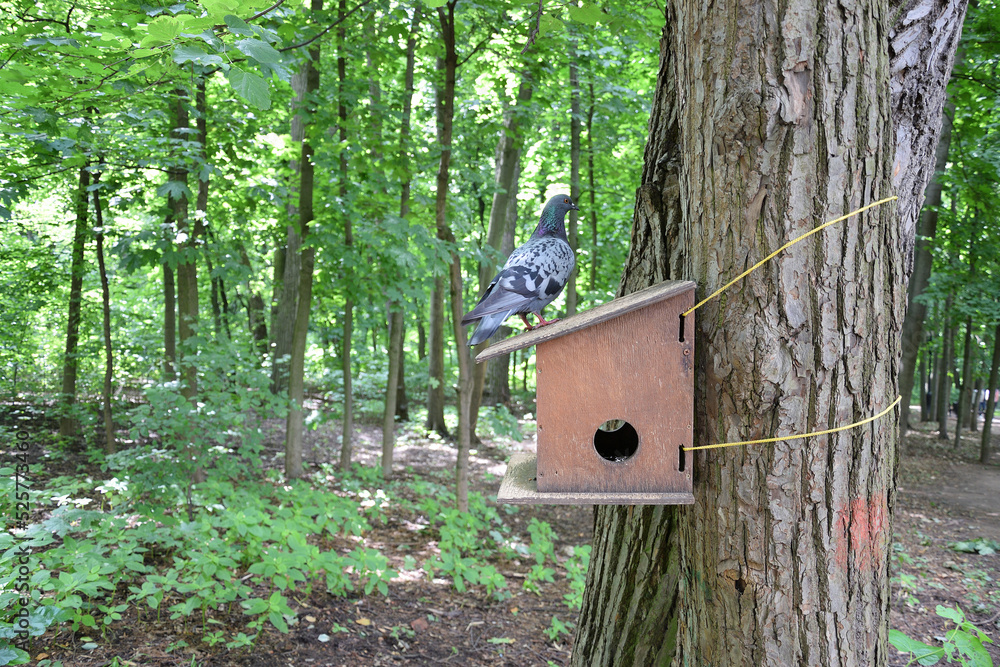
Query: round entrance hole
[616,440]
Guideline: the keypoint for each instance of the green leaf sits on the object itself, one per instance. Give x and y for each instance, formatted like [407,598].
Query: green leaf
[951,614]
[922,653]
[251,88]
[184,54]
[220,7]
[548,24]
[589,14]
[260,51]
[254,606]
[163,28]
[238,26]
[434,4]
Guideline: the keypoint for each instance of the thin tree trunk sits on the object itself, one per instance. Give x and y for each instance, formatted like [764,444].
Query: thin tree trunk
[169,324]
[594,257]
[435,361]
[347,425]
[916,311]
[288,260]
[929,383]
[985,443]
[296,368]
[68,424]
[922,389]
[110,446]
[973,414]
[445,118]
[572,297]
[506,174]
[255,309]
[944,371]
[187,269]
[396,321]
[498,368]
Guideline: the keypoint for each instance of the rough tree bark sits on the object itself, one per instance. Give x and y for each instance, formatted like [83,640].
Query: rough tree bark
[767,121]
[67,423]
[294,423]
[916,310]
[169,323]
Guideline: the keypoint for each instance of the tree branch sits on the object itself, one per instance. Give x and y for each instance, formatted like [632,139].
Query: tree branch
[326,29]
[535,30]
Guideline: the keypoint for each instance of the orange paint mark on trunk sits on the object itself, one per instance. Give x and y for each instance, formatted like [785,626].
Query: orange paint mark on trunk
[860,532]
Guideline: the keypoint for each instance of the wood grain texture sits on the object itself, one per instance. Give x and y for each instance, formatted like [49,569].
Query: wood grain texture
[518,488]
[588,318]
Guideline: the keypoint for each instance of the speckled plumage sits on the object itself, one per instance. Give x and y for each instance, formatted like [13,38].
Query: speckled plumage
[534,275]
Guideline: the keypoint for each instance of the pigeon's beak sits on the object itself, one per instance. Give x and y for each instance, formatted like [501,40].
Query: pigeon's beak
[573,206]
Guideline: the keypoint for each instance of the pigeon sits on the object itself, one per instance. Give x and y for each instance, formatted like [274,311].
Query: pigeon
[534,275]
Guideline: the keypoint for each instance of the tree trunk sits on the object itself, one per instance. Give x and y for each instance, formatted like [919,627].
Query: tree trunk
[929,395]
[288,260]
[574,176]
[922,47]
[110,446]
[445,118]
[435,361]
[916,310]
[68,424]
[396,320]
[783,558]
[592,191]
[169,324]
[187,269]
[965,388]
[347,425]
[255,309]
[973,414]
[506,176]
[985,444]
[296,367]
[944,371]
[498,368]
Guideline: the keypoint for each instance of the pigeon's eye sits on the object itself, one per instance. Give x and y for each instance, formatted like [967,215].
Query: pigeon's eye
[565,201]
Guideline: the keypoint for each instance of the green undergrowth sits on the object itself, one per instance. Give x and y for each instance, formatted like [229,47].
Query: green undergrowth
[227,557]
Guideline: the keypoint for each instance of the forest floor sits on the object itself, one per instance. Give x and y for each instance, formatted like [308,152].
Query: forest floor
[945,497]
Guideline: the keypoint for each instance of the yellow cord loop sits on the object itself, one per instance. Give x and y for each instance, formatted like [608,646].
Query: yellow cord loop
[806,435]
[744,275]
[771,256]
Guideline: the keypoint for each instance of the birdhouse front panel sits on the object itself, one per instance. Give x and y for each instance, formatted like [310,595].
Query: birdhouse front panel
[615,403]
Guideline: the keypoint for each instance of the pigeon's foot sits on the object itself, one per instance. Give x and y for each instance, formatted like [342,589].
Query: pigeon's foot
[526,322]
[542,321]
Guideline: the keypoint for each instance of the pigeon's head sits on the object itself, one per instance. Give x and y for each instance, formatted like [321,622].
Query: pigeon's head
[554,214]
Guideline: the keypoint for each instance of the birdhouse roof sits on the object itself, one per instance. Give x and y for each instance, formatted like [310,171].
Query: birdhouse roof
[589,318]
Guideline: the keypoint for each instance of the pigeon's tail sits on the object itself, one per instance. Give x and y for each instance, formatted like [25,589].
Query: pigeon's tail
[488,326]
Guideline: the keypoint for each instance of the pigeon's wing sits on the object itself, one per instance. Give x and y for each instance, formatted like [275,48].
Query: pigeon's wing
[513,288]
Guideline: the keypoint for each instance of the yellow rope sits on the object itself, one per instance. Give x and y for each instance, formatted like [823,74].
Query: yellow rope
[790,243]
[796,437]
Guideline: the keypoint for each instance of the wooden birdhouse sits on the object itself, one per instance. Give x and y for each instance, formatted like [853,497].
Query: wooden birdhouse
[615,394]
